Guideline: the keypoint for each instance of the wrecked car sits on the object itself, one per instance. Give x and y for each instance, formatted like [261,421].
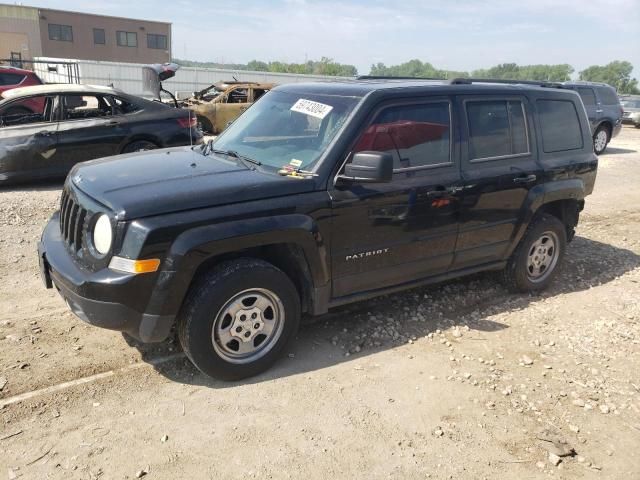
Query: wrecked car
[45,130]
[221,103]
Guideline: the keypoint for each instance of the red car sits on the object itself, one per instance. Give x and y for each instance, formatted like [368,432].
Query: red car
[11,77]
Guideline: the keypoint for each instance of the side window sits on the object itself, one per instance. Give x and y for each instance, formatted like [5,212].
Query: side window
[122,107]
[26,111]
[417,135]
[608,96]
[80,107]
[588,96]
[10,78]
[238,95]
[496,129]
[257,93]
[560,125]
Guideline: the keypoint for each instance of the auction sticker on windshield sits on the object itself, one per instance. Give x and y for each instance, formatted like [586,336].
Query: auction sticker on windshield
[311,108]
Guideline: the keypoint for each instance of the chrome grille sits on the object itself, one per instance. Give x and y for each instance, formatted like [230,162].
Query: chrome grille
[72,217]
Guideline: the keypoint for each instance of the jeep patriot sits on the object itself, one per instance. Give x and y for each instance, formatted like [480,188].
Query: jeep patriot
[321,194]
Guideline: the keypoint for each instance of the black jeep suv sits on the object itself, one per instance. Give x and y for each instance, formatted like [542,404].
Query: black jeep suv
[320,195]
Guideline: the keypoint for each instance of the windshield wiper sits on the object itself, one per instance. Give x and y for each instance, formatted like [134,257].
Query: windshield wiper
[229,153]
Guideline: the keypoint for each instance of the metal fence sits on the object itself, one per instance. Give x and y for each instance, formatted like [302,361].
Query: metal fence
[128,76]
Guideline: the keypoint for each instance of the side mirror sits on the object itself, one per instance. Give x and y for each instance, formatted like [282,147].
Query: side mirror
[369,167]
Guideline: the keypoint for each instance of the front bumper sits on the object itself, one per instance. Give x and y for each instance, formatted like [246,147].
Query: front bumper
[103,298]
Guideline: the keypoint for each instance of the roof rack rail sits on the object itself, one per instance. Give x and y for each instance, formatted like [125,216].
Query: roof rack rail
[390,77]
[539,83]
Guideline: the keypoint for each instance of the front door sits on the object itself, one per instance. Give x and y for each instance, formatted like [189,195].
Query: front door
[499,167]
[28,139]
[88,128]
[393,233]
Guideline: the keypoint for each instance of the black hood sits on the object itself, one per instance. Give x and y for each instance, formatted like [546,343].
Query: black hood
[172,180]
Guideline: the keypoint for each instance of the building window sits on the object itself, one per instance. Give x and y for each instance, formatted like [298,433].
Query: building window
[127,39]
[61,33]
[156,41]
[98,36]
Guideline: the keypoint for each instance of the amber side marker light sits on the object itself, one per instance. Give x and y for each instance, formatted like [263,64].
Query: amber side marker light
[134,266]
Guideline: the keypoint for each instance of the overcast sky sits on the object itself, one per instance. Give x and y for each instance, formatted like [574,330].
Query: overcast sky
[451,34]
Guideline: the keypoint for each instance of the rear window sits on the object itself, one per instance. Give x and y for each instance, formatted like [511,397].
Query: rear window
[10,78]
[608,96]
[588,96]
[496,129]
[560,125]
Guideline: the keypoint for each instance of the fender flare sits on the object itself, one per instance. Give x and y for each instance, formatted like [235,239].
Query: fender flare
[194,247]
[540,195]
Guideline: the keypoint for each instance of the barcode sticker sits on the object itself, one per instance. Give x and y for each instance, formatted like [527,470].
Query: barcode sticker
[311,108]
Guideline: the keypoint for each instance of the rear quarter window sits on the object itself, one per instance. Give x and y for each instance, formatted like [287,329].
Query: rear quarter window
[608,96]
[560,125]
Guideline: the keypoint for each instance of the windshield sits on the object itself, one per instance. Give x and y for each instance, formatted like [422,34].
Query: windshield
[631,103]
[287,129]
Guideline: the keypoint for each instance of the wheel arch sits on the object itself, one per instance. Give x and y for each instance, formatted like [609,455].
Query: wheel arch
[563,199]
[291,243]
[606,124]
[140,137]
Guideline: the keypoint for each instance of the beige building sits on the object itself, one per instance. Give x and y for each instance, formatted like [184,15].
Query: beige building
[28,32]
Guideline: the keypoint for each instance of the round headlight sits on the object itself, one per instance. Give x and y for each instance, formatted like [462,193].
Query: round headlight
[102,234]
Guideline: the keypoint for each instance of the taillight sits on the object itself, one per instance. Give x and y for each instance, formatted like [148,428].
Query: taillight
[188,122]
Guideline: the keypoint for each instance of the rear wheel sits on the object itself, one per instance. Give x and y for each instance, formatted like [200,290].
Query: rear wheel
[536,259]
[139,146]
[238,318]
[600,139]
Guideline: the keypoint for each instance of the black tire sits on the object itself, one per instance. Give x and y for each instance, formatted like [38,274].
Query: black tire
[637,125]
[517,275]
[598,146]
[139,146]
[209,298]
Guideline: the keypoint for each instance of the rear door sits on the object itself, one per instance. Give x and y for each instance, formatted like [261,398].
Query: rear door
[591,105]
[499,168]
[392,233]
[28,138]
[89,128]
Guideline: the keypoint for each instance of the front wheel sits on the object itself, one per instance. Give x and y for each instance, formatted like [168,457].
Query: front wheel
[536,259]
[600,139]
[238,318]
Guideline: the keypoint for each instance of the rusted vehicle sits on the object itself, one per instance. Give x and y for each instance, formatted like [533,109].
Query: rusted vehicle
[221,103]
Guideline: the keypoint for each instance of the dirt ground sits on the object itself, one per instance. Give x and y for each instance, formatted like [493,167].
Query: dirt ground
[460,381]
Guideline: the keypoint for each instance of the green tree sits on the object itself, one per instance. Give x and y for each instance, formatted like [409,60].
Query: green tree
[258,66]
[617,74]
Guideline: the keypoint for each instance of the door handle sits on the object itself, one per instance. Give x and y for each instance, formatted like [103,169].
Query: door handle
[599,111]
[525,179]
[113,123]
[44,133]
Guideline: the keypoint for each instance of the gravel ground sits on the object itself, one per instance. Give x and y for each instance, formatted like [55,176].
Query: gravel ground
[461,380]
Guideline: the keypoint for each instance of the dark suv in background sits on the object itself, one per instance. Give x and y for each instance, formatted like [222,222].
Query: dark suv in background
[603,109]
